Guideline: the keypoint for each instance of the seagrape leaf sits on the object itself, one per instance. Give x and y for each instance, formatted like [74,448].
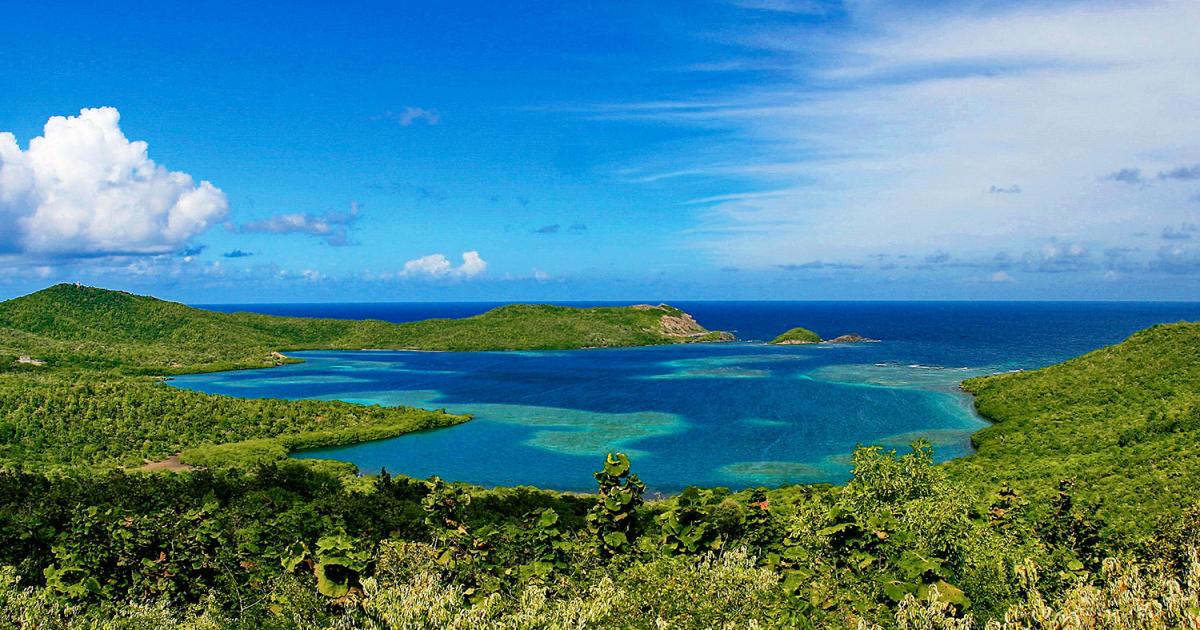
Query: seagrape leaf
[328,586]
[548,518]
[616,539]
[617,464]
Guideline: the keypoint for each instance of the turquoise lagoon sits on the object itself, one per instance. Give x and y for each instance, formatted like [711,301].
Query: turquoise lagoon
[733,414]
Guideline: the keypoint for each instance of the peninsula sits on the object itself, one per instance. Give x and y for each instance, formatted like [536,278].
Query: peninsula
[97,328]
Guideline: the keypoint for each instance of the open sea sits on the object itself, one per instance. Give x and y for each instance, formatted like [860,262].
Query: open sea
[729,414]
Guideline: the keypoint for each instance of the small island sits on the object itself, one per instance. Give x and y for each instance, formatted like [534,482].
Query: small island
[800,336]
[796,336]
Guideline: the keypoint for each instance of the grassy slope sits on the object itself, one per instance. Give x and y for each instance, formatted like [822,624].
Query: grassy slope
[1123,421]
[794,335]
[96,328]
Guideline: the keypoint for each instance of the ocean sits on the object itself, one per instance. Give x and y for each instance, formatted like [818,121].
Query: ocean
[731,414]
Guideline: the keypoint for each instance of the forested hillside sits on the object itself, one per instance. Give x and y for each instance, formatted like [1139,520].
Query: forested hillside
[1122,423]
[1079,510]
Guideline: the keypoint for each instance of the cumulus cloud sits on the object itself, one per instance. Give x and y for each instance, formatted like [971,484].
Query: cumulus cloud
[83,189]
[331,227]
[1001,277]
[438,266]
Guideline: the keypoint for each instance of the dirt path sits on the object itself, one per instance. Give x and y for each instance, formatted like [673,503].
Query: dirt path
[171,464]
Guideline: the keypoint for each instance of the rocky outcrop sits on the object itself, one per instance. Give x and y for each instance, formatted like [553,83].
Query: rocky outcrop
[680,325]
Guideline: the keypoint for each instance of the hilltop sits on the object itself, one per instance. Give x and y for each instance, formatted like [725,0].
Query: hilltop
[97,328]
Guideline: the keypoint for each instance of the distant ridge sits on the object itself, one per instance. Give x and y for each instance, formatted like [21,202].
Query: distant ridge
[84,326]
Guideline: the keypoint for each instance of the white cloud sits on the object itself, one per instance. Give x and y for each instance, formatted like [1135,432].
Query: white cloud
[83,189]
[472,265]
[1000,276]
[438,266]
[889,136]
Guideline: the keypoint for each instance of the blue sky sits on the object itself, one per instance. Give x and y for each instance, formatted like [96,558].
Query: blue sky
[723,149]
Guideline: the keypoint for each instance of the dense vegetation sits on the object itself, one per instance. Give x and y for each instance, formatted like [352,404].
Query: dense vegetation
[78,417]
[1122,422]
[797,335]
[288,545]
[1080,509]
[68,325]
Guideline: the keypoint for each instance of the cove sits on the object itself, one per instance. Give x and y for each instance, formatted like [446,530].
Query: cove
[733,415]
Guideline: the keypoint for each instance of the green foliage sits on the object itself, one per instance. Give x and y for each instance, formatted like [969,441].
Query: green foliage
[337,563]
[613,519]
[78,417]
[288,545]
[1123,422]
[444,506]
[797,335]
[688,527]
[549,548]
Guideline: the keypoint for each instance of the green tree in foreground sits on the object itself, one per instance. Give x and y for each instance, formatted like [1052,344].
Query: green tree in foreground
[614,519]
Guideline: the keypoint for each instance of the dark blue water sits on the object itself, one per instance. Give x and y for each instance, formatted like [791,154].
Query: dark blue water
[737,415]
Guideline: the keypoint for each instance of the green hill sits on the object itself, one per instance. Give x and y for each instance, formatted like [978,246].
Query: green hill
[797,336]
[88,327]
[1123,422]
